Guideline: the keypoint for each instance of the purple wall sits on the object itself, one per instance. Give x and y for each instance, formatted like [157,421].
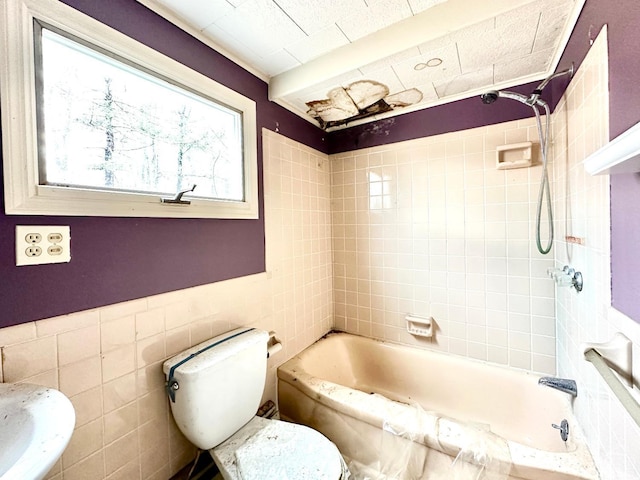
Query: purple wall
[624,84]
[623,19]
[118,259]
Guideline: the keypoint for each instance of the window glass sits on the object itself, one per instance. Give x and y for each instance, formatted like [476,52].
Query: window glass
[108,125]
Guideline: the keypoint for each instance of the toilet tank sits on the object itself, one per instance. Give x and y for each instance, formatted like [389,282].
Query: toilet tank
[219,385]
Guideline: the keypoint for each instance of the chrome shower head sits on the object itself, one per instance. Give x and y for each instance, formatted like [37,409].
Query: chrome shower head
[493,95]
[489,97]
[531,100]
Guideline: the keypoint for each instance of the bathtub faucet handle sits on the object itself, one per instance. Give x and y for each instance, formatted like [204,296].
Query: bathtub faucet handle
[564,429]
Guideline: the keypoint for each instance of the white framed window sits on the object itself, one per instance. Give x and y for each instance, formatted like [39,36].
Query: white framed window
[95,123]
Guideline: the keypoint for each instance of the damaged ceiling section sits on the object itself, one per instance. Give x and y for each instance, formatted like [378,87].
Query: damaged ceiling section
[339,63]
[455,49]
[359,100]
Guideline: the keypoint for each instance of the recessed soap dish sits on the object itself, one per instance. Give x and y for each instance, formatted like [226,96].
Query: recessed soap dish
[420,326]
[516,155]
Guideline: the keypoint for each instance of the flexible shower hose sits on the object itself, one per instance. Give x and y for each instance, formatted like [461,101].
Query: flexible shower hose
[544,182]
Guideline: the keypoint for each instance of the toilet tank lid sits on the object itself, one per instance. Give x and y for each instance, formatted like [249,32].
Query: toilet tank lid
[214,350]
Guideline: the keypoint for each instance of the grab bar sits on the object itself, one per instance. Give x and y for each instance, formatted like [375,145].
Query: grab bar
[614,383]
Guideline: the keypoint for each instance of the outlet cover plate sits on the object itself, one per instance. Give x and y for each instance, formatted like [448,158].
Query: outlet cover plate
[38,244]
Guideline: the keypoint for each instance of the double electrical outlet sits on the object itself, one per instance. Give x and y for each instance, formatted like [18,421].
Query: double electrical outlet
[36,244]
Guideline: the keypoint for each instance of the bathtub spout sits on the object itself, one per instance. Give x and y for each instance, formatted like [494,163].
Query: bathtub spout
[565,385]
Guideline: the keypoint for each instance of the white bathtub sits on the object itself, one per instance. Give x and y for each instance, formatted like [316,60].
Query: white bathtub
[390,408]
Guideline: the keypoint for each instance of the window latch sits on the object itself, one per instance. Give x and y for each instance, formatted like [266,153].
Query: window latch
[177,200]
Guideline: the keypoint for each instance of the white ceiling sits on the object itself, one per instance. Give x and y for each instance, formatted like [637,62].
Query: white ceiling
[314,50]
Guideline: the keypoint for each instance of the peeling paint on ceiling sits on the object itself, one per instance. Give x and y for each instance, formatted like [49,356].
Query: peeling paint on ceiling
[359,100]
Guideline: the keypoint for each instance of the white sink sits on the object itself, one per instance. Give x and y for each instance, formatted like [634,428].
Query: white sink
[36,424]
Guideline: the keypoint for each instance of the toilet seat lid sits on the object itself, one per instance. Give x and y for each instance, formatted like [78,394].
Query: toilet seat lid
[275,450]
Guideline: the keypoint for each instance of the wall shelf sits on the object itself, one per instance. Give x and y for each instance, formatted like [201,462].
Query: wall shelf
[621,155]
[517,155]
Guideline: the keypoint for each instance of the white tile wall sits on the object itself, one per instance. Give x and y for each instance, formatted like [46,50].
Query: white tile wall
[109,360]
[582,206]
[431,227]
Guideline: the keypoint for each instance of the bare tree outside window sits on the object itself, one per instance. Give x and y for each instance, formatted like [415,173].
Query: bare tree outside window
[110,126]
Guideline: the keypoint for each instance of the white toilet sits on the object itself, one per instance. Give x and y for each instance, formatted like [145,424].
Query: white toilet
[215,390]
